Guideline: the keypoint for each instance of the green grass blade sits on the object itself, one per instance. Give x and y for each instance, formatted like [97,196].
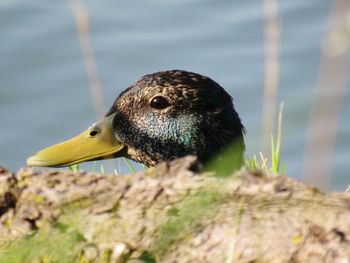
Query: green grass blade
[74,168]
[102,168]
[129,164]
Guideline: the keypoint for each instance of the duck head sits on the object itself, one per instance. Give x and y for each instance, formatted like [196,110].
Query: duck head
[162,116]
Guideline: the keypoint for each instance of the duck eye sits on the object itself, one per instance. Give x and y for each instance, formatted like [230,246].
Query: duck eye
[159,102]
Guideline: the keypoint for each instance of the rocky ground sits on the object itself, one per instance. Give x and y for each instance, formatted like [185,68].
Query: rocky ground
[170,213]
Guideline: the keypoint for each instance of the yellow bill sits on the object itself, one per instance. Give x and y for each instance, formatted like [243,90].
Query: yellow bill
[97,142]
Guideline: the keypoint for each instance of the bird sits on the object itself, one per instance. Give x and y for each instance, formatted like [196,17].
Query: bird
[162,116]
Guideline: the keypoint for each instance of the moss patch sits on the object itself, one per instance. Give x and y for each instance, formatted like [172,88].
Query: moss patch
[56,243]
[186,217]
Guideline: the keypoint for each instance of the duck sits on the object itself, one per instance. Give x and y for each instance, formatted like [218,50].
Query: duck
[162,116]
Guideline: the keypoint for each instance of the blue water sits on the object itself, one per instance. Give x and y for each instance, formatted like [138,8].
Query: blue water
[44,91]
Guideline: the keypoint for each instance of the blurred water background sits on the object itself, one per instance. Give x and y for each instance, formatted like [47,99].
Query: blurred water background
[44,87]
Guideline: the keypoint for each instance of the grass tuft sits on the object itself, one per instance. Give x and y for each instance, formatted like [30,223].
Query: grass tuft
[262,163]
[75,167]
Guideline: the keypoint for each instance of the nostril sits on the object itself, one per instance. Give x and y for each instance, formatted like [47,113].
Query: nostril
[93,133]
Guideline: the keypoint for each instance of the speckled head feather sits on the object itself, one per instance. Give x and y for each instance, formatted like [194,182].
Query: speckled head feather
[174,113]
